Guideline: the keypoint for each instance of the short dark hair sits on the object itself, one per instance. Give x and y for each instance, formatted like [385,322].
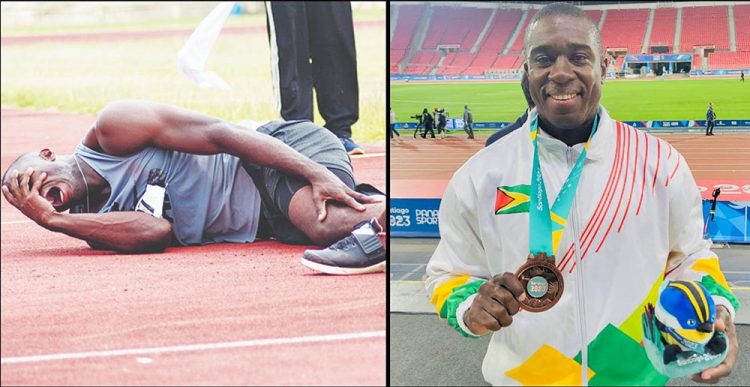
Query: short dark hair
[565,9]
[18,163]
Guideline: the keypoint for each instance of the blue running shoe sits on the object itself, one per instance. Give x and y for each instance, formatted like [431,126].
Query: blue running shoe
[351,147]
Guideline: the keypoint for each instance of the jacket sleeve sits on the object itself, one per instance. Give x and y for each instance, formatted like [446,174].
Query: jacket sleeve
[457,268]
[690,257]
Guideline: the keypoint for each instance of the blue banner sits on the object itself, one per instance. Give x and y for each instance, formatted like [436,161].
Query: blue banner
[455,123]
[731,221]
[453,77]
[458,123]
[658,58]
[719,72]
[416,218]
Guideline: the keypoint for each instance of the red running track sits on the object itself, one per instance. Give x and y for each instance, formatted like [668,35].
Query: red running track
[421,168]
[249,313]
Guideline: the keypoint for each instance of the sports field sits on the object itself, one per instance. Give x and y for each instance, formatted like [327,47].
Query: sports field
[81,74]
[625,100]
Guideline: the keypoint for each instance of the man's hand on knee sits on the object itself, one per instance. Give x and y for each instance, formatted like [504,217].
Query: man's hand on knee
[326,186]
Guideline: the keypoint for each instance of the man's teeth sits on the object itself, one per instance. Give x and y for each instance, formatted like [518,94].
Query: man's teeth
[563,97]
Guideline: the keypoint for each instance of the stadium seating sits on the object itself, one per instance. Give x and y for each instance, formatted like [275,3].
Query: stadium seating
[408,17]
[662,32]
[500,30]
[625,28]
[423,62]
[517,46]
[460,26]
[618,63]
[741,29]
[704,26]
[729,60]
[507,62]
[455,26]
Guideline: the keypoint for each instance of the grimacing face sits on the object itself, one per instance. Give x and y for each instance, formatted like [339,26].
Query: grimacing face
[63,186]
[565,71]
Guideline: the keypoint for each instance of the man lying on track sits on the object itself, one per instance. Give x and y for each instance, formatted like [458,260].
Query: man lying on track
[148,175]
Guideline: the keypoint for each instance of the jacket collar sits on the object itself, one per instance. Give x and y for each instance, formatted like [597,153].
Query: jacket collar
[601,145]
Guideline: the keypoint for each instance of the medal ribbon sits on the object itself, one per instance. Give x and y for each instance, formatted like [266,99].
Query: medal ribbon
[546,226]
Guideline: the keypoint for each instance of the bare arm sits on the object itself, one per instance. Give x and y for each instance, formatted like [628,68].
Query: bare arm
[126,127]
[130,232]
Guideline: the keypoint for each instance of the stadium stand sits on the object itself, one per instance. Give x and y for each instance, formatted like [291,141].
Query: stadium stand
[729,60]
[704,26]
[741,30]
[452,31]
[625,28]
[517,46]
[662,32]
[409,16]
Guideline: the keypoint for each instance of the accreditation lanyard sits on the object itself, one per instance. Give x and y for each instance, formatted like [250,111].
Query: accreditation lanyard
[545,226]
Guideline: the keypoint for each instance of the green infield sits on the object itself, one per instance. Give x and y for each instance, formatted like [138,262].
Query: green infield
[84,76]
[625,100]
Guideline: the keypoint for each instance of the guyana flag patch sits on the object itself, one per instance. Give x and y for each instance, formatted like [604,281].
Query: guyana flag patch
[512,199]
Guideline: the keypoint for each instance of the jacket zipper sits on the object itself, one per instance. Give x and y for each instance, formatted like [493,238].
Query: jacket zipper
[580,304]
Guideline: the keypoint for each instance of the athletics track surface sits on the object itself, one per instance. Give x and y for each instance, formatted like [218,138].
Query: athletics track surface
[219,314]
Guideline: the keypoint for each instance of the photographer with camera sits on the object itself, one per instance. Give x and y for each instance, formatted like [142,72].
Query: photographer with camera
[429,123]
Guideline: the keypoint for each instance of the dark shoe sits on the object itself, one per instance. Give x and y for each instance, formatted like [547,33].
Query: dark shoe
[359,253]
[352,147]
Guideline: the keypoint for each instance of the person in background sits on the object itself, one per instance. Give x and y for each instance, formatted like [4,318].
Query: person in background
[468,122]
[392,122]
[710,118]
[312,46]
[429,123]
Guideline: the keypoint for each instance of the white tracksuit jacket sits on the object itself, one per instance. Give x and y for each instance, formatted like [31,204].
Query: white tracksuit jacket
[636,217]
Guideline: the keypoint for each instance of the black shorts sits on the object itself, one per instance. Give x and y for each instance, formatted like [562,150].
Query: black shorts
[277,188]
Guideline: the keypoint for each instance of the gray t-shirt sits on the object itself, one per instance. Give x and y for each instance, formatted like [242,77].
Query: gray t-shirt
[212,197]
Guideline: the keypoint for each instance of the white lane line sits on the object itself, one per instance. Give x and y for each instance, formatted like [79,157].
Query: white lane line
[367,155]
[16,222]
[193,347]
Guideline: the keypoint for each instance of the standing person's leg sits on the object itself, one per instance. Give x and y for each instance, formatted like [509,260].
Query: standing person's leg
[334,66]
[290,64]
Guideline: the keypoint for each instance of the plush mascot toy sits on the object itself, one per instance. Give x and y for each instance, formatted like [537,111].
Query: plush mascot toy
[679,334]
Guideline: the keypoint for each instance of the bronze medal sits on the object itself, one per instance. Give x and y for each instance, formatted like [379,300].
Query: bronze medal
[542,283]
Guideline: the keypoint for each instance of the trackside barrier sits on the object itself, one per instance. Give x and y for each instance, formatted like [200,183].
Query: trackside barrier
[458,123]
[418,218]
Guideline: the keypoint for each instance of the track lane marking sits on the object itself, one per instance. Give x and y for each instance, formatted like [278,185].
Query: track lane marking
[193,347]
[16,222]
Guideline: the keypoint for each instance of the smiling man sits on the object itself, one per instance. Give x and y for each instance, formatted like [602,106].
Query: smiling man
[556,248]
[149,175]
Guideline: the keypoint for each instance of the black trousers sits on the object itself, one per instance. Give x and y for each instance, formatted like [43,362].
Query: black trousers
[312,46]
[393,130]
[709,127]
[469,130]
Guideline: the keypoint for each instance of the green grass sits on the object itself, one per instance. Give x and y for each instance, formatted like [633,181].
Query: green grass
[626,101]
[82,77]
